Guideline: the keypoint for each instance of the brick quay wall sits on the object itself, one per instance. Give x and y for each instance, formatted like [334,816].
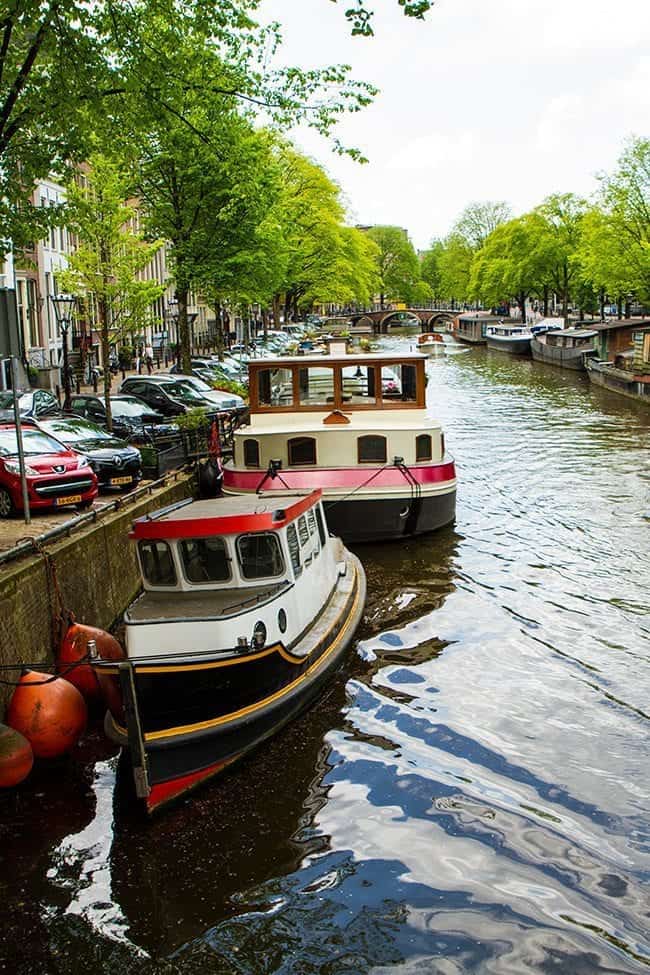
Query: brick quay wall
[97,575]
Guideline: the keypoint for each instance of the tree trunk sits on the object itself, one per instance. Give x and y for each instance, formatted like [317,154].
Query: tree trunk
[545,301]
[521,298]
[619,307]
[276,311]
[182,293]
[265,322]
[601,301]
[103,318]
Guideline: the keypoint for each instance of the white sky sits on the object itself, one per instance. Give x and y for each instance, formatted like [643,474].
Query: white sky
[484,100]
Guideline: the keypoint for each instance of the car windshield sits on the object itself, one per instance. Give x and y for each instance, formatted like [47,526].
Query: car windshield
[184,393]
[195,383]
[34,442]
[73,431]
[126,407]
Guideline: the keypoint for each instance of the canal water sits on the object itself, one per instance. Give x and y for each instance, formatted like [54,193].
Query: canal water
[472,794]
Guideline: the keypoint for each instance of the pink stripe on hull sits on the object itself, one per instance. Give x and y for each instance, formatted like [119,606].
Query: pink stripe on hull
[332,478]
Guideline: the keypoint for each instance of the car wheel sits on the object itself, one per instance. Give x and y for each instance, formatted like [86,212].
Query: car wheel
[7,507]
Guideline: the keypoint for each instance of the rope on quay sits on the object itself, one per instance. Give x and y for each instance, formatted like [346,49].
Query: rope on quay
[40,666]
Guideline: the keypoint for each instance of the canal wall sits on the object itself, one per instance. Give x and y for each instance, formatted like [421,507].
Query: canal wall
[95,572]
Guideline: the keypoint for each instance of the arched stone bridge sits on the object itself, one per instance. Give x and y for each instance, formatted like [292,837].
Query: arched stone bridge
[428,319]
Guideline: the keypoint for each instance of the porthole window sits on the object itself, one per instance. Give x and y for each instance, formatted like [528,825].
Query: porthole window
[371,450]
[251,453]
[422,448]
[282,621]
[302,451]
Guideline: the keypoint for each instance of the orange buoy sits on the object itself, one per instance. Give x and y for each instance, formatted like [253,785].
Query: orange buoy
[16,757]
[52,716]
[74,647]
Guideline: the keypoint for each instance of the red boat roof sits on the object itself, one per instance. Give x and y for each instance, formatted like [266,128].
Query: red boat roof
[223,516]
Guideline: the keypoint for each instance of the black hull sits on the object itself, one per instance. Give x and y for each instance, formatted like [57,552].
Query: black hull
[388,519]
[185,723]
[512,347]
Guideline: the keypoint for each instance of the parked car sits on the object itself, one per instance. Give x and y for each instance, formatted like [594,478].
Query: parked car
[56,476]
[116,463]
[133,419]
[221,400]
[167,395]
[211,371]
[31,402]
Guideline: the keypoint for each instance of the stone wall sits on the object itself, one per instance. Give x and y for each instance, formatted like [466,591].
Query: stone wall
[97,575]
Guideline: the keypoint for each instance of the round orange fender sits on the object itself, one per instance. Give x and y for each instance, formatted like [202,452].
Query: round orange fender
[16,757]
[52,716]
[74,647]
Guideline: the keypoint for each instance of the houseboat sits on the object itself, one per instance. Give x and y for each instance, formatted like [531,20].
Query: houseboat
[472,326]
[355,425]
[431,343]
[629,372]
[247,609]
[514,339]
[566,347]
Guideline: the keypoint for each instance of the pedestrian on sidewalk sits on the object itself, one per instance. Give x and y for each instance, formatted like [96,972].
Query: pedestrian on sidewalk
[148,357]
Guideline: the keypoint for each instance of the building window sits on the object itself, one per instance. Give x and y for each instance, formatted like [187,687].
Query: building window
[371,450]
[302,451]
[251,453]
[422,448]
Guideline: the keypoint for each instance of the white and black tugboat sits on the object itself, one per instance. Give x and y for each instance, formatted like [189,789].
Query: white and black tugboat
[355,426]
[247,610]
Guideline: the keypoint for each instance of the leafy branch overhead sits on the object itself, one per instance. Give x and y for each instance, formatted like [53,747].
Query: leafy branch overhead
[360,16]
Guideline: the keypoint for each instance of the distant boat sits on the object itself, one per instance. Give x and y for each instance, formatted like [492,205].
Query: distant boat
[432,343]
[566,347]
[514,339]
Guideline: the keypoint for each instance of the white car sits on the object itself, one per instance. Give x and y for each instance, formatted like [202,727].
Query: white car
[221,400]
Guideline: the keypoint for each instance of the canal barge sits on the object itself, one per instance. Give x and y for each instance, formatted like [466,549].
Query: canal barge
[247,610]
[514,339]
[355,426]
[566,347]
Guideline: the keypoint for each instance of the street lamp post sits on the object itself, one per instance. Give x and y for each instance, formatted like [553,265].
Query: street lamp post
[172,314]
[64,305]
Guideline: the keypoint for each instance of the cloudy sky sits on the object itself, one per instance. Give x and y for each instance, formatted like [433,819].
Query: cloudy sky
[485,100]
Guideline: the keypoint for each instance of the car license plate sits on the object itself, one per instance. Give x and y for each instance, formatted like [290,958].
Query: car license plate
[120,480]
[71,499]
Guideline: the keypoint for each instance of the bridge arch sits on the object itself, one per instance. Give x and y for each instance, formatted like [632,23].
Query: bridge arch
[435,319]
[404,317]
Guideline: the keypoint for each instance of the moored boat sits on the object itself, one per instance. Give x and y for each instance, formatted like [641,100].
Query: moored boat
[566,347]
[247,610]
[357,426]
[514,339]
[431,343]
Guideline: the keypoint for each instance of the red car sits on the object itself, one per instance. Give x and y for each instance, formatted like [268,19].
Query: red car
[55,475]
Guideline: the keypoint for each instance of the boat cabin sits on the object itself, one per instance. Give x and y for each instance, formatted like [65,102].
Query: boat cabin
[337,382]
[508,331]
[571,338]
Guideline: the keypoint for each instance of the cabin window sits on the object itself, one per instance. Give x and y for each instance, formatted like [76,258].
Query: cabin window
[321,526]
[157,563]
[274,387]
[260,556]
[251,453]
[399,383]
[313,531]
[302,451]
[422,448]
[371,450]
[205,560]
[359,385]
[294,549]
[316,386]
[303,530]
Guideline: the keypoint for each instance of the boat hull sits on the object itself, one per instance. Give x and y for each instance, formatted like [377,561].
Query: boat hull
[389,519]
[512,346]
[619,381]
[367,504]
[555,356]
[189,720]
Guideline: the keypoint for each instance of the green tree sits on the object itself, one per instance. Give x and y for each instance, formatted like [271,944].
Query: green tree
[430,268]
[398,268]
[479,219]
[510,264]
[110,256]
[557,246]
[455,267]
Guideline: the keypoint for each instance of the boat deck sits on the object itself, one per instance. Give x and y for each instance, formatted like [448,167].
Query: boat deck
[167,607]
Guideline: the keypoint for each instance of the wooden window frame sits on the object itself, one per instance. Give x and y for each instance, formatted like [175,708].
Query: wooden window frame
[302,463]
[373,460]
[420,459]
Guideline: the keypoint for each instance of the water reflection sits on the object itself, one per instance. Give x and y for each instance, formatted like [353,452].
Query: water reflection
[471,796]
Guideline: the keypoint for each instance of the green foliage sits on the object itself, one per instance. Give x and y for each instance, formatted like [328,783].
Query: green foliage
[231,386]
[397,264]
[360,16]
[194,420]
